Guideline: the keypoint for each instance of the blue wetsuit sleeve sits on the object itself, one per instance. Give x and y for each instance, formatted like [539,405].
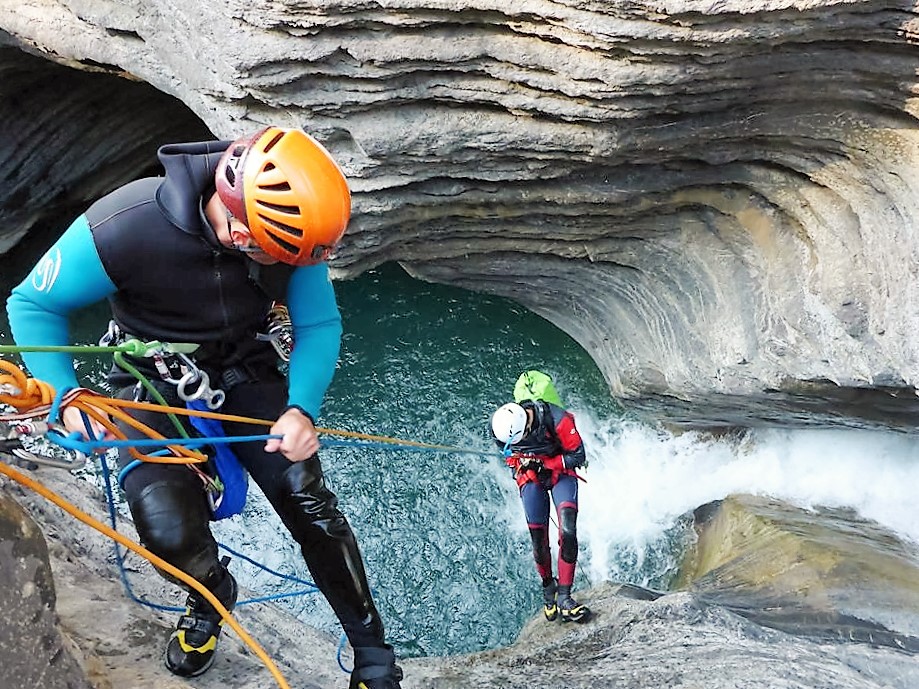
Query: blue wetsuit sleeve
[68,277]
[317,330]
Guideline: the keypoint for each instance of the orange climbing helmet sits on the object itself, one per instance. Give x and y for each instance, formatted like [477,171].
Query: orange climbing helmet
[286,188]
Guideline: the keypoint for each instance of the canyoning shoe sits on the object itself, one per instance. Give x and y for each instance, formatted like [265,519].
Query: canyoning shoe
[550,606]
[375,668]
[191,649]
[390,682]
[571,610]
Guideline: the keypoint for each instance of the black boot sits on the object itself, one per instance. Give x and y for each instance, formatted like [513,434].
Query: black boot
[310,511]
[571,610]
[375,668]
[192,646]
[550,608]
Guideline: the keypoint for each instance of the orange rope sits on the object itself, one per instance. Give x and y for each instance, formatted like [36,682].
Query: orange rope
[101,408]
[34,396]
[153,559]
[29,392]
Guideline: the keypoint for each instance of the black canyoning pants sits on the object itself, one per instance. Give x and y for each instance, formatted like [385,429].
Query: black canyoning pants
[172,515]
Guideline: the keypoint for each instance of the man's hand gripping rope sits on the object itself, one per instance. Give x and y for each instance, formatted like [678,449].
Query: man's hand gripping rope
[33,399]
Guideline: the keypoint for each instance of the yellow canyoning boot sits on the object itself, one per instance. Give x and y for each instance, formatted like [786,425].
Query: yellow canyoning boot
[191,649]
[550,606]
[570,609]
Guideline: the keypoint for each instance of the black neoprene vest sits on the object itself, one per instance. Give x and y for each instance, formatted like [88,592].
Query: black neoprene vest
[542,438]
[174,280]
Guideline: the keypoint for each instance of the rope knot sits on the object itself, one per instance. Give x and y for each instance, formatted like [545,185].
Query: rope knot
[20,391]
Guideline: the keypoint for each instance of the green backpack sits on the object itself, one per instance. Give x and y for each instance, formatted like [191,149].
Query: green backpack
[536,385]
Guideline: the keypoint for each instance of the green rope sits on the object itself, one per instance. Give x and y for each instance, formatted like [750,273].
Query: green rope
[132,347]
[73,349]
[137,348]
[149,387]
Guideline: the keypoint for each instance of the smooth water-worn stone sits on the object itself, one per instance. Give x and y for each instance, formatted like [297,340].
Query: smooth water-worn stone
[823,573]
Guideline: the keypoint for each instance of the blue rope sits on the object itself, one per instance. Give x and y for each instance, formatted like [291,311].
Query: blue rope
[110,498]
[264,568]
[88,447]
[338,652]
[73,441]
[76,443]
[310,587]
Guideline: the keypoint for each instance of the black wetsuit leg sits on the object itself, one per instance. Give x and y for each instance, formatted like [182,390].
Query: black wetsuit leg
[535,498]
[168,502]
[309,510]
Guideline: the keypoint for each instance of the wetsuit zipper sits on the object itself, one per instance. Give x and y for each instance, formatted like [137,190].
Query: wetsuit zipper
[218,276]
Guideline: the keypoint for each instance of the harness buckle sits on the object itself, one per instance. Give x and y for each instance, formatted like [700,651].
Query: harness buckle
[233,376]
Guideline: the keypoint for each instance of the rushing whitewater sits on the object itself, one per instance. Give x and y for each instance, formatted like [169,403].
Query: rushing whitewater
[641,481]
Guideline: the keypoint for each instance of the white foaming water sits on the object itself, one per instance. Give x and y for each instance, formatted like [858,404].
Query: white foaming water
[640,481]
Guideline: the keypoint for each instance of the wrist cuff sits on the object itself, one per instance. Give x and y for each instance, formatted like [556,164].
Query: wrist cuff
[301,410]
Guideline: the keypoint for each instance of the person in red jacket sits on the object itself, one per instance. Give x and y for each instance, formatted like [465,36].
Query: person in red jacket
[542,446]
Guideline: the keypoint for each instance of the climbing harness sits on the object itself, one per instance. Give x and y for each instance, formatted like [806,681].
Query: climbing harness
[174,365]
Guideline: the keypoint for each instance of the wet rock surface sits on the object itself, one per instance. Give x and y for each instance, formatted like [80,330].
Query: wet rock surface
[823,573]
[637,639]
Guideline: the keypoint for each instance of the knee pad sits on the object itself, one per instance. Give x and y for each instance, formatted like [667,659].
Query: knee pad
[173,522]
[568,534]
[540,537]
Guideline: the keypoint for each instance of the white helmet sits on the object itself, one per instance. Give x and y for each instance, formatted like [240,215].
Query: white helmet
[509,423]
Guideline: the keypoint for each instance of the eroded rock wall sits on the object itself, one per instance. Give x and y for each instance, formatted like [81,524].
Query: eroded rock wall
[716,199]
[33,652]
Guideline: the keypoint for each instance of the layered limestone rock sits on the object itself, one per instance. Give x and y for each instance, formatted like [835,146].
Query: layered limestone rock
[716,199]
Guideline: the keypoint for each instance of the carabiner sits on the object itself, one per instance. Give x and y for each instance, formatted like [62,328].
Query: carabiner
[13,446]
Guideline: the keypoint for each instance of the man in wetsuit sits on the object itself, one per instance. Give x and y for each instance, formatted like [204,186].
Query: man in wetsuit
[543,448]
[199,256]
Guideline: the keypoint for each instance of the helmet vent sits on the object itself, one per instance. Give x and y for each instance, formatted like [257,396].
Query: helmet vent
[288,247]
[283,227]
[230,174]
[288,210]
[277,137]
[280,186]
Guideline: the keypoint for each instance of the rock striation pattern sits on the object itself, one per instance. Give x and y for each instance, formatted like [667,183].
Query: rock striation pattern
[715,199]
